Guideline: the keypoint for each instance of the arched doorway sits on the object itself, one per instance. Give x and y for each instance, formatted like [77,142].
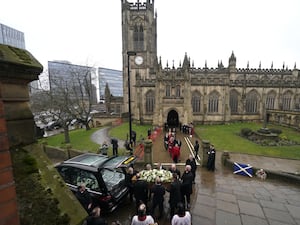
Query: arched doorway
[173,120]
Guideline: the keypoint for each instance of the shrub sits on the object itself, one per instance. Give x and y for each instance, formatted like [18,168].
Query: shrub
[283,137]
[246,132]
[30,165]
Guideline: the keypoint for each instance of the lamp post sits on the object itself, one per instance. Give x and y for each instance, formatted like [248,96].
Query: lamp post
[129,53]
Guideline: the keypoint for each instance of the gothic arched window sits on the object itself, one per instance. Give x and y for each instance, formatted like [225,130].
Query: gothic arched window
[168,90]
[138,37]
[213,103]
[234,101]
[270,100]
[252,102]
[150,102]
[178,91]
[297,102]
[286,100]
[196,102]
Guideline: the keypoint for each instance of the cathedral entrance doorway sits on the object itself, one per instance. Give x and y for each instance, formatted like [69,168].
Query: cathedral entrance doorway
[173,120]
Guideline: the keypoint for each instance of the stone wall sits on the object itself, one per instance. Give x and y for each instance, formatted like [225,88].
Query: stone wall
[17,68]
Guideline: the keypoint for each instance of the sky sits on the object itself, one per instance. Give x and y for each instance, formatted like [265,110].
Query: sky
[89,32]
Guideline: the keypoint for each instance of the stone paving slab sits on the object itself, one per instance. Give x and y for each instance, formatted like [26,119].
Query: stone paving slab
[206,200]
[274,222]
[202,220]
[273,205]
[251,208]
[204,211]
[294,211]
[226,197]
[281,216]
[228,206]
[226,218]
[251,220]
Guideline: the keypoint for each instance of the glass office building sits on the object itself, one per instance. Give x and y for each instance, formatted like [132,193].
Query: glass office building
[11,36]
[64,74]
[114,79]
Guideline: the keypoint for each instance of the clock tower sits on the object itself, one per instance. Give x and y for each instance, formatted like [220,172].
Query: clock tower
[139,49]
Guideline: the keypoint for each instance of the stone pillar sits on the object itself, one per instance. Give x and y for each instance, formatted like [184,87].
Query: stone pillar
[205,148]
[17,68]
[225,156]
[148,151]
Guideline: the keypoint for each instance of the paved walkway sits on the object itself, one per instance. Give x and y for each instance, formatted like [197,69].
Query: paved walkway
[222,197]
[268,163]
[102,135]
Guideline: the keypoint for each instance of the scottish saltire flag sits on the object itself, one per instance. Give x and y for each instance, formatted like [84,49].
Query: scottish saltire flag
[242,169]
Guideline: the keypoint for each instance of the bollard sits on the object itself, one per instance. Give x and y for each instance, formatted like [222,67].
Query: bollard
[204,149]
[225,156]
[148,151]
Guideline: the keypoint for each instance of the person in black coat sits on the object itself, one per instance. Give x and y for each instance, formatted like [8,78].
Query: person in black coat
[187,186]
[211,158]
[175,194]
[129,183]
[158,191]
[95,219]
[84,198]
[192,162]
[173,169]
[140,191]
[196,148]
[115,146]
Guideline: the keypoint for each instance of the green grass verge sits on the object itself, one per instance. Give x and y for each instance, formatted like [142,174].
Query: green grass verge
[225,137]
[80,140]
[122,131]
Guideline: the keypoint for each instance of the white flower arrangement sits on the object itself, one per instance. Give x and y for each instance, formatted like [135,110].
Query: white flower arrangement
[150,175]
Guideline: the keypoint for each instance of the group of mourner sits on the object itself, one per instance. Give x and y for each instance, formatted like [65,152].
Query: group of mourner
[152,189]
[173,145]
[179,187]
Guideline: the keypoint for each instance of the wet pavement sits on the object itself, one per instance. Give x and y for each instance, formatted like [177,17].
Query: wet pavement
[101,135]
[222,197]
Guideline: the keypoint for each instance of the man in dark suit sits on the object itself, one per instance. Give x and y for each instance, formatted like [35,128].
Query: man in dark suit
[158,191]
[173,169]
[175,194]
[84,198]
[187,186]
[140,191]
[192,162]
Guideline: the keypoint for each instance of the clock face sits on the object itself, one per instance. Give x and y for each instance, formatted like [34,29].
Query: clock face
[138,60]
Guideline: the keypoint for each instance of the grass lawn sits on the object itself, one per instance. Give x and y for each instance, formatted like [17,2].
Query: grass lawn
[121,131]
[80,140]
[225,137]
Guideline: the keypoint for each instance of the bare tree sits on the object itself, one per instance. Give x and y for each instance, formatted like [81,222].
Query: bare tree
[70,97]
[82,95]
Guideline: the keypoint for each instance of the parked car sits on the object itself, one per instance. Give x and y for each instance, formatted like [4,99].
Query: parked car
[103,176]
[53,125]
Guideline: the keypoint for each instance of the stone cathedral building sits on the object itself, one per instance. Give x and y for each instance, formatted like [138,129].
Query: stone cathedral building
[205,95]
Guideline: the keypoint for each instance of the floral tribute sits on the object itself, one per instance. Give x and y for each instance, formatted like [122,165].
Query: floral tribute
[150,175]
